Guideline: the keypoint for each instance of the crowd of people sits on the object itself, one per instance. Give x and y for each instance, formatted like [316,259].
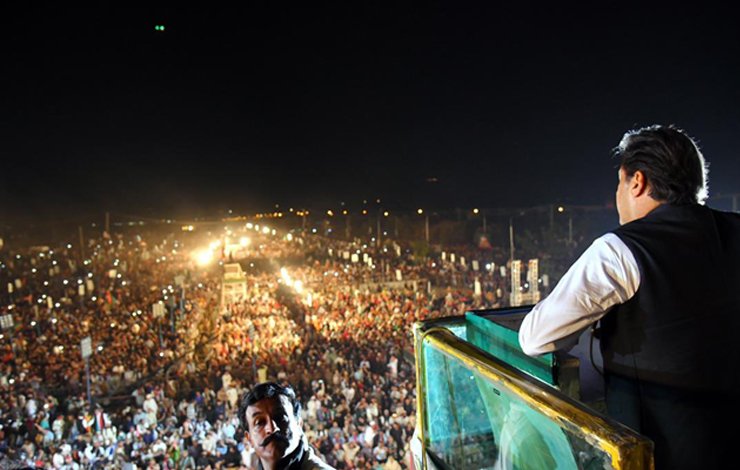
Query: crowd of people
[160,388]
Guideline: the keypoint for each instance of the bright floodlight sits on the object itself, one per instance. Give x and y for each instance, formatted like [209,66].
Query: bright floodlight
[244,241]
[203,257]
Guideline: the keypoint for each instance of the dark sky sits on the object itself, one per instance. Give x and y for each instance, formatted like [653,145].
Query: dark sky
[248,106]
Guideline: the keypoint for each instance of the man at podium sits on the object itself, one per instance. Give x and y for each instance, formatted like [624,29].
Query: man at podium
[665,289]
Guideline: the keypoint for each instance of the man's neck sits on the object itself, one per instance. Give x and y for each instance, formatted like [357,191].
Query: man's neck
[649,205]
[290,461]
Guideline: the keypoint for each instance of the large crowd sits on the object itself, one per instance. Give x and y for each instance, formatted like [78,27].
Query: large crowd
[161,386]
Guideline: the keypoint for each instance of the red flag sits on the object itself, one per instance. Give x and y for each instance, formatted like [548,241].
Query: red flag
[484,244]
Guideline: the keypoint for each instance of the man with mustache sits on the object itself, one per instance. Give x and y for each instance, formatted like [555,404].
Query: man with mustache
[271,417]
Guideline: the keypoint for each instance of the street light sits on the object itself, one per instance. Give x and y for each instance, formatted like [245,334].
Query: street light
[561,210]
[476,211]
[347,225]
[426,224]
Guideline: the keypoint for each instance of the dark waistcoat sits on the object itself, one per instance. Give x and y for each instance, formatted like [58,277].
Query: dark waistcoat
[682,327]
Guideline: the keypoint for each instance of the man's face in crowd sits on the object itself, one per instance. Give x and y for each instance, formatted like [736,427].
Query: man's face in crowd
[274,431]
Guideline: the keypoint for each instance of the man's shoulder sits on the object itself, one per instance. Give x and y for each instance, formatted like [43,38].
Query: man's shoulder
[314,462]
[668,219]
[728,217]
[606,247]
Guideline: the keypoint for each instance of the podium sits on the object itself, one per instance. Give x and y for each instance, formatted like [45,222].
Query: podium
[483,404]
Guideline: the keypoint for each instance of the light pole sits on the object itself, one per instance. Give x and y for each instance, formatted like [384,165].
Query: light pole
[569,241]
[327,226]
[511,239]
[477,211]
[377,222]
[82,244]
[252,336]
[377,229]
[426,224]
[86,351]
[570,230]
[347,226]
[303,214]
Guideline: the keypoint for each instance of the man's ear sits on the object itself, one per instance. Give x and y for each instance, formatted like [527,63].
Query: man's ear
[638,184]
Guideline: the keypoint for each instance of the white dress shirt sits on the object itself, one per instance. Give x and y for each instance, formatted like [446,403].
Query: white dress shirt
[605,275]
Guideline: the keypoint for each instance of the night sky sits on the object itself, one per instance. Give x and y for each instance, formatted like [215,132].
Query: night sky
[435,104]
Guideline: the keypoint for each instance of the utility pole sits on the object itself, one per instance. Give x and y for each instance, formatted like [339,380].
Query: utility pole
[426,227]
[511,239]
[82,244]
[252,337]
[570,230]
[377,239]
[86,350]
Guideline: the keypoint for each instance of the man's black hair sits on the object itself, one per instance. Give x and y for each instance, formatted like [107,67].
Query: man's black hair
[669,159]
[267,390]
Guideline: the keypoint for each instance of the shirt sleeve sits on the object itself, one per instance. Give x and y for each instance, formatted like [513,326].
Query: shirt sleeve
[605,275]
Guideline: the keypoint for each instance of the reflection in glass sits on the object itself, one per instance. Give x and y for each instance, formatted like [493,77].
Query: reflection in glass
[474,422]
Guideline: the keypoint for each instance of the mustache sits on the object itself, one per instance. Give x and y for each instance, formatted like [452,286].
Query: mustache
[276,436]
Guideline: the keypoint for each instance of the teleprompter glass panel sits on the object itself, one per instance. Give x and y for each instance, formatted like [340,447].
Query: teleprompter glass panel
[478,410]
[474,421]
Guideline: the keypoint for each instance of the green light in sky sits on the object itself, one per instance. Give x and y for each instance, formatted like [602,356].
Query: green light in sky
[159,27]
